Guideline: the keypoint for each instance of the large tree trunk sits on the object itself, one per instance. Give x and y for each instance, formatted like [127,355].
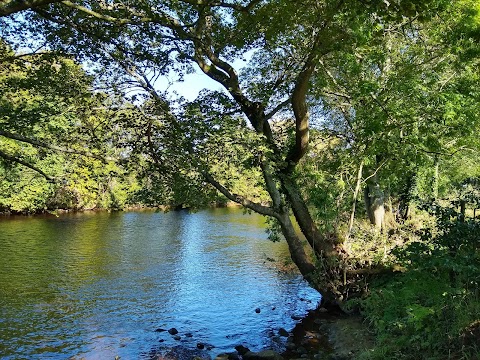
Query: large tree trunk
[374,203]
[327,251]
[435,178]
[322,246]
[407,196]
[358,186]
[297,251]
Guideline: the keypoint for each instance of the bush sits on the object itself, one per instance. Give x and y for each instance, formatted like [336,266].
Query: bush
[432,310]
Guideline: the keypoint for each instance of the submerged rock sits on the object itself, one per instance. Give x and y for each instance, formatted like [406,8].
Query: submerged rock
[221,357]
[257,310]
[227,356]
[182,353]
[262,355]
[173,331]
[242,350]
[283,332]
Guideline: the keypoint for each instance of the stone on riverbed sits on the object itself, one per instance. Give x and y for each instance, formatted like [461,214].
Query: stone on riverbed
[242,350]
[227,356]
[173,331]
[262,355]
[182,353]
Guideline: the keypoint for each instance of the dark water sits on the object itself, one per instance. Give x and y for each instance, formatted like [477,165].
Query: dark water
[95,286]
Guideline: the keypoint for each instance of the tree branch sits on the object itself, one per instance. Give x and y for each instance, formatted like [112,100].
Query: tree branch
[51,147]
[8,7]
[223,4]
[277,109]
[239,199]
[26,164]
[299,104]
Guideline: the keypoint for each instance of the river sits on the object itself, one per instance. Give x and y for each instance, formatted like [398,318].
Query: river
[99,285]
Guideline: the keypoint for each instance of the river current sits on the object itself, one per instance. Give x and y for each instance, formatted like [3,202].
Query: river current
[100,285]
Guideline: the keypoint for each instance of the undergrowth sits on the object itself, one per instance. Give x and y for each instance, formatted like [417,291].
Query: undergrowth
[431,310]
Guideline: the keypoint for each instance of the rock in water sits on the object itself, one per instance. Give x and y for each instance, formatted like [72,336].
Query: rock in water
[262,355]
[257,310]
[242,350]
[283,332]
[182,353]
[173,331]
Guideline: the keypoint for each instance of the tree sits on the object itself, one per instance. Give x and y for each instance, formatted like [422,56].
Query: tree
[397,105]
[48,117]
[147,39]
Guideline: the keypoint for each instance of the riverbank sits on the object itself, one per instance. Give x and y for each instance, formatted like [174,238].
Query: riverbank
[138,207]
[328,335]
[320,335]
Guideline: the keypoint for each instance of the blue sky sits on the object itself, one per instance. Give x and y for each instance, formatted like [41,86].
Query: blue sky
[194,83]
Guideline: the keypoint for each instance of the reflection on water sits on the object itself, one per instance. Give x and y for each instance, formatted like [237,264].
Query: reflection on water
[98,285]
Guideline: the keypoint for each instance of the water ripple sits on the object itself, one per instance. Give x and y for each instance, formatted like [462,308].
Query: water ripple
[98,285]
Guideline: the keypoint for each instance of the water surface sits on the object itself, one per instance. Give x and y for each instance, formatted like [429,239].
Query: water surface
[98,285]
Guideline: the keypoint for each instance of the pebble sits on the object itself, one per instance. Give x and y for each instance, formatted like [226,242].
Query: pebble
[257,310]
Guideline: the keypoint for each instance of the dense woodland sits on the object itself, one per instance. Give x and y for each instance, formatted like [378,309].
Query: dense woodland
[357,120]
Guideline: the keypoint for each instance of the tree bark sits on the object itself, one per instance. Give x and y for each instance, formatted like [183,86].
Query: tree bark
[355,197]
[435,178]
[322,246]
[13,6]
[295,246]
[374,203]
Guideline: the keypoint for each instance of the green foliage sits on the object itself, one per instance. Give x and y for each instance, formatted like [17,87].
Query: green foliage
[427,309]
[48,120]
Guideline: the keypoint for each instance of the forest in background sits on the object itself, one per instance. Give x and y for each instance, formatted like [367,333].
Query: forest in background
[358,119]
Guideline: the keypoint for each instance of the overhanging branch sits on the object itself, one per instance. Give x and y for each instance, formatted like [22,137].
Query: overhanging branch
[8,7]
[50,147]
[239,199]
[26,164]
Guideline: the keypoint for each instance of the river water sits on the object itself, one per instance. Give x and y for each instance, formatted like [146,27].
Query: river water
[98,285]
